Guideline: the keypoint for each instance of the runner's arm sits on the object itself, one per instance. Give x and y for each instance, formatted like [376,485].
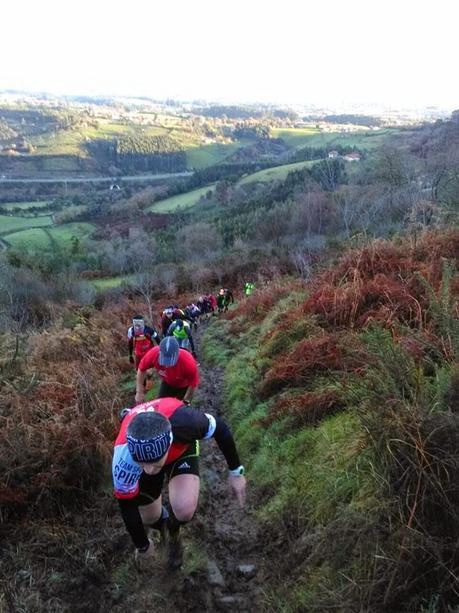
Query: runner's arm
[133,522]
[190,424]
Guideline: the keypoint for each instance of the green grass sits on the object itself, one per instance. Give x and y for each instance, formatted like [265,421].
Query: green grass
[12,224]
[111,282]
[294,137]
[310,137]
[183,201]
[65,142]
[277,173]
[73,142]
[35,239]
[41,239]
[9,206]
[62,234]
[202,156]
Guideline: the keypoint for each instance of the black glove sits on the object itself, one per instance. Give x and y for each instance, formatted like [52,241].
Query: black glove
[131,359]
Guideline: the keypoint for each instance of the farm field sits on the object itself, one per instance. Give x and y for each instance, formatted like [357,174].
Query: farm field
[208,155]
[12,224]
[275,173]
[297,138]
[191,198]
[183,201]
[24,206]
[72,142]
[34,239]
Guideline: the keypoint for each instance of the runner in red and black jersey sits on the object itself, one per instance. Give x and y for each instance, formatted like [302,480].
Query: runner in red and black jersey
[177,369]
[158,440]
[141,339]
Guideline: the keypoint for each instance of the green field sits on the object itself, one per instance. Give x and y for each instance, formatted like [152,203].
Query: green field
[310,137]
[73,142]
[208,155]
[295,137]
[34,239]
[181,201]
[38,239]
[111,282]
[277,173]
[23,206]
[12,224]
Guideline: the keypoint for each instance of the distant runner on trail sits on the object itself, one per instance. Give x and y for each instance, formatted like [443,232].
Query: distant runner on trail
[224,299]
[159,439]
[193,312]
[181,330]
[169,315]
[177,369]
[248,288]
[140,339]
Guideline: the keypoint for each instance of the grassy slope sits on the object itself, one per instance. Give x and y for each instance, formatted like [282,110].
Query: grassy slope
[41,239]
[208,155]
[328,473]
[276,173]
[183,201]
[12,224]
[297,138]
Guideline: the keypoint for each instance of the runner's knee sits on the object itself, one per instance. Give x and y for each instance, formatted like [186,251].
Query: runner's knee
[184,512]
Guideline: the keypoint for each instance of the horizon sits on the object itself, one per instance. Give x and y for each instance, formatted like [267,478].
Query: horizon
[339,56]
[353,106]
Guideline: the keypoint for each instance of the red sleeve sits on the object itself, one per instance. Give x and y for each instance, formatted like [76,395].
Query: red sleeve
[149,359]
[190,368]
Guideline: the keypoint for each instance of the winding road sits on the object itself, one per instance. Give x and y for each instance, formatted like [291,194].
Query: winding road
[125,178]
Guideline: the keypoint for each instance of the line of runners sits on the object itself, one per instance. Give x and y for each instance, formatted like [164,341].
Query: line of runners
[159,439]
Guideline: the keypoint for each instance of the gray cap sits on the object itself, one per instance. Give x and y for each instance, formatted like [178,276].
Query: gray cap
[168,351]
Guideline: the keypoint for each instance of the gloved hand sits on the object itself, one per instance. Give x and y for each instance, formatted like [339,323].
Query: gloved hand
[131,359]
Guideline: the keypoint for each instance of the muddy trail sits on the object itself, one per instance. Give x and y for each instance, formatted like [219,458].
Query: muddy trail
[222,567]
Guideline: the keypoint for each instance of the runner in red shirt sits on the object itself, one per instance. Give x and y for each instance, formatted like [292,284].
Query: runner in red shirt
[158,440]
[140,339]
[177,369]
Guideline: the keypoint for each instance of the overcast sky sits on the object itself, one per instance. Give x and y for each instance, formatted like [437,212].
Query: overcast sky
[395,52]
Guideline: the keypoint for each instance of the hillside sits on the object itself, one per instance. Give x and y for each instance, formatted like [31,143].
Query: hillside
[342,394]
[344,397]
[93,140]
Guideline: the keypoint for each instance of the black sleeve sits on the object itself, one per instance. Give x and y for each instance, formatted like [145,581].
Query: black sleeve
[226,443]
[130,346]
[189,424]
[133,522]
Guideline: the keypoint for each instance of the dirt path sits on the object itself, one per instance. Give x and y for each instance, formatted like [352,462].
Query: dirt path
[222,566]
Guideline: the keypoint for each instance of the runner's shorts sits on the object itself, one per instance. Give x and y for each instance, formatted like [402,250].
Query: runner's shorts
[152,485]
